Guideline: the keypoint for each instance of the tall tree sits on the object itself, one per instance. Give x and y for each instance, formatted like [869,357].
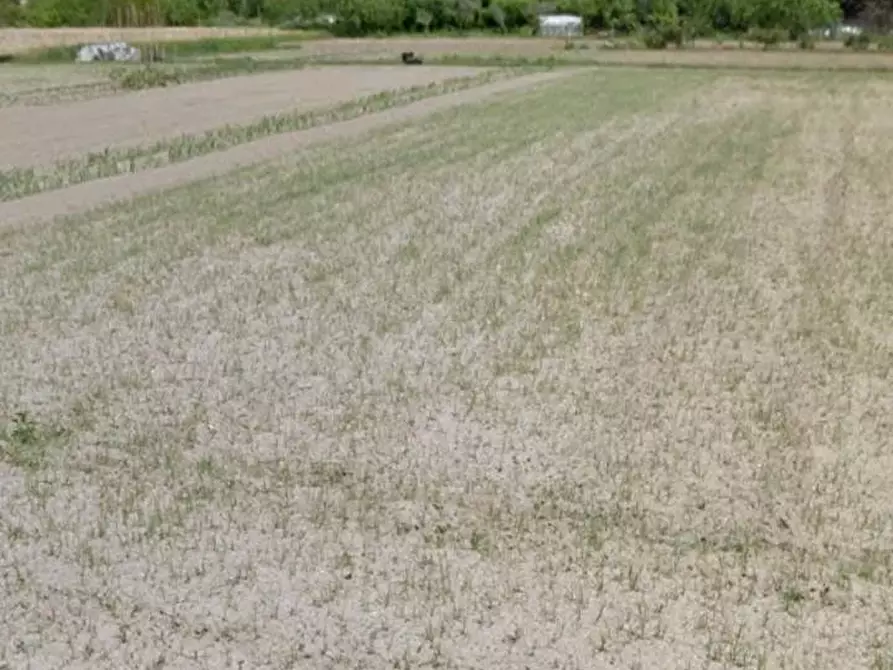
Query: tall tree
[879,13]
[11,13]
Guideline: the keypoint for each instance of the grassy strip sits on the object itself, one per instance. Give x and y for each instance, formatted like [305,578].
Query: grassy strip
[140,77]
[129,77]
[213,46]
[55,95]
[20,182]
[796,64]
[219,68]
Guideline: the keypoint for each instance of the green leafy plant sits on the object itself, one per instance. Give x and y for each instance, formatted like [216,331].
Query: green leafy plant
[134,79]
[806,41]
[24,443]
[885,43]
[662,36]
[673,33]
[654,39]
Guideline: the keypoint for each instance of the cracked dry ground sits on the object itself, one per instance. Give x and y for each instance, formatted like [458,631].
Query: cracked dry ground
[593,374]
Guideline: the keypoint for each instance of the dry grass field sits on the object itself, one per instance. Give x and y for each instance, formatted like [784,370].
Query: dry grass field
[590,374]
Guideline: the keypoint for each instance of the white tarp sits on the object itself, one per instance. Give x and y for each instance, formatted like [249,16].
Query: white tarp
[565,25]
[117,51]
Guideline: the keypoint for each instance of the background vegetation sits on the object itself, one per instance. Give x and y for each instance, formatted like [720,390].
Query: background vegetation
[364,17]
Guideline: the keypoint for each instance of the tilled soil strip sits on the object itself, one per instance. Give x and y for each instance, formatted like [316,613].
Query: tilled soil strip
[91,195]
[35,136]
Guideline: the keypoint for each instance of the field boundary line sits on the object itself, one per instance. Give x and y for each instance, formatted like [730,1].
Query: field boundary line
[91,195]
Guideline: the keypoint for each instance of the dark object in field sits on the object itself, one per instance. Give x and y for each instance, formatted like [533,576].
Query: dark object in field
[6,58]
[409,58]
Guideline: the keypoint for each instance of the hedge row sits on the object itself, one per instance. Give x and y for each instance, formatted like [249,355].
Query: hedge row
[362,17]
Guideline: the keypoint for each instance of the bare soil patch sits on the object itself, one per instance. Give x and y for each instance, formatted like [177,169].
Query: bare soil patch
[31,136]
[17,40]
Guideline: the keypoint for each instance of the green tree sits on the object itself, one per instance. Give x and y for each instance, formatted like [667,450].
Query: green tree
[498,16]
[698,16]
[11,13]
[184,12]
[658,12]
[795,16]
[59,13]
[276,12]
[879,13]
[362,17]
[467,13]
[619,15]
[423,17]
[591,11]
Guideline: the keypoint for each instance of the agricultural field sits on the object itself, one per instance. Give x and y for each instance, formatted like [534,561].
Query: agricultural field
[737,54]
[44,74]
[703,53]
[30,137]
[21,40]
[153,129]
[38,84]
[584,368]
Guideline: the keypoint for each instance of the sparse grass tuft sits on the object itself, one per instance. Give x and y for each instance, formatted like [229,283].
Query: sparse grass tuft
[138,78]
[26,444]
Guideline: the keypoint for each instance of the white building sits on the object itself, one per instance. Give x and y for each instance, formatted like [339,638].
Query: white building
[560,25]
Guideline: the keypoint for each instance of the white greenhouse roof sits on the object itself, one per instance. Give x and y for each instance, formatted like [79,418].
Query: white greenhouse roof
[560,20]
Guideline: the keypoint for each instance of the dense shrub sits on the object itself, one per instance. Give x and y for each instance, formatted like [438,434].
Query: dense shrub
[673,33]
[11,13]
[662,36]
[146,76]
[768,37]
[885,43]
[654,39]
[859,42]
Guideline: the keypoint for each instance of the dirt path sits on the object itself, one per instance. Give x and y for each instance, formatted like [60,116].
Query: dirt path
[84,197]
[32,136]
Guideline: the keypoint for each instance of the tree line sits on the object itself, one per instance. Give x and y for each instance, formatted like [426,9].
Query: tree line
[366,17]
